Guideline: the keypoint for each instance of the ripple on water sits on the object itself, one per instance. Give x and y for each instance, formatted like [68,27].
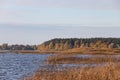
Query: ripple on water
[14,66]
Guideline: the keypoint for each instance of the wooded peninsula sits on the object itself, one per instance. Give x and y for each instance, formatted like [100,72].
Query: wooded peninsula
[65,45]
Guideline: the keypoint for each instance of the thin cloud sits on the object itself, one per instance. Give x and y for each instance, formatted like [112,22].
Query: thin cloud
[61,12]
[82,4]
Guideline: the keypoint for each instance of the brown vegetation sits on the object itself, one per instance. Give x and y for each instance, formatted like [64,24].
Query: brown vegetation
[108,72]
[94,50]
[70,49]
[88,45]
[71,43]
[74,59]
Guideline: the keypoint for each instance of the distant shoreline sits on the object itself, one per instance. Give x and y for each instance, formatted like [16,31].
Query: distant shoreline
[72,51]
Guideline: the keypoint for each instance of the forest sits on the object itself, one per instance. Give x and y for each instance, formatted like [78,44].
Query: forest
[60,44]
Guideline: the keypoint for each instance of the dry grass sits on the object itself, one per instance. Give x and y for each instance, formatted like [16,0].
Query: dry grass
[107,72]
[94,50]
[72,59]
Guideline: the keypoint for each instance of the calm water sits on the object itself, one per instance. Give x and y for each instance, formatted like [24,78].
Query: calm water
[14,66]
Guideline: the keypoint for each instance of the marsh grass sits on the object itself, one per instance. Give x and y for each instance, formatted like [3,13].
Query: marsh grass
[73,59]
[110,71]
[94,50]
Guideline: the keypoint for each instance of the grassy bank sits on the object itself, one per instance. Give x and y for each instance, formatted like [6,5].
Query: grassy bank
[71,51]
[95,50]
[4,51]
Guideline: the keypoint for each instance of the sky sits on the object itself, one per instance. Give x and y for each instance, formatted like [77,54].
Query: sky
[39,34]
[35,21]
[61,12]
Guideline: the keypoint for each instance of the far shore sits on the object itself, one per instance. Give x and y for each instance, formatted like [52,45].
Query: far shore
[74,51]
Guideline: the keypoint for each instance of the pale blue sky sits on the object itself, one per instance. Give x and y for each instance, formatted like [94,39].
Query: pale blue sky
[14,34]
[34,21]
[61,12]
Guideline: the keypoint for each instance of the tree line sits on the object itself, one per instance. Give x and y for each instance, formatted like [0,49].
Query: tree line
[69,43]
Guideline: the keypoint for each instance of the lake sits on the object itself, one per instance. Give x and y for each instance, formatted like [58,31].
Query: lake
[16,66]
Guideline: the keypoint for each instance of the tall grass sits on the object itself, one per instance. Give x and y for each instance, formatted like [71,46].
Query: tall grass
[107,72]
[72,59]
